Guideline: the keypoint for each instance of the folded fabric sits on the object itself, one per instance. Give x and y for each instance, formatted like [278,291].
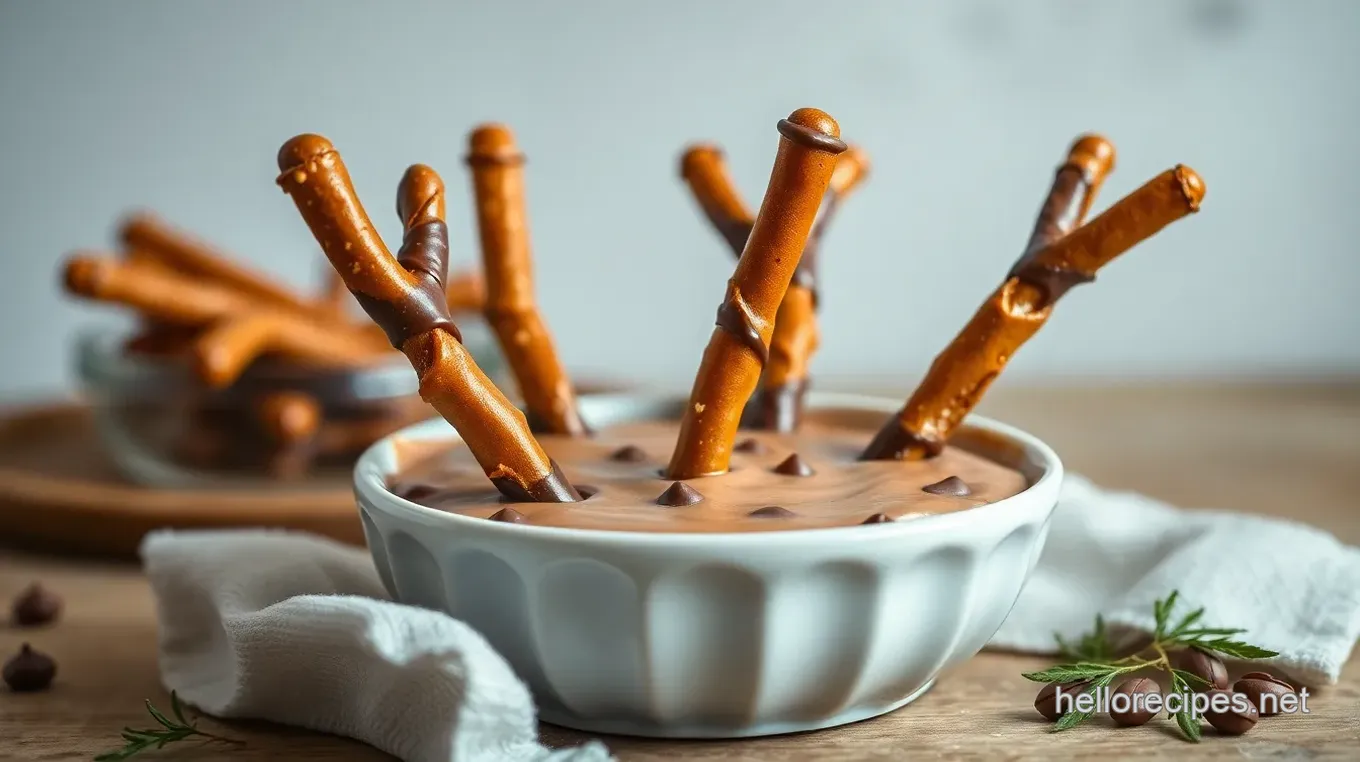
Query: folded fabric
[297,630]
[1295,589]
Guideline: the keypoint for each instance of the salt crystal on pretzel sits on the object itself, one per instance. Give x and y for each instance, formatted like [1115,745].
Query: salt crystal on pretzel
[739,347]
[1054,261]
[778,404]
[502,223]
[405,295]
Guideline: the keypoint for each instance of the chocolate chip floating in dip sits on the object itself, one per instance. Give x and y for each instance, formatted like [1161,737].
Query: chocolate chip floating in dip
[950,486]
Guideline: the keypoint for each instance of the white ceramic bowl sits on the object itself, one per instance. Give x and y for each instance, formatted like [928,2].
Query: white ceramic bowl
[720,635]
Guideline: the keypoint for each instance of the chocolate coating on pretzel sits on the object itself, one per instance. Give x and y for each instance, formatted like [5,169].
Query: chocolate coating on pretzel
[734,316]
[424,252]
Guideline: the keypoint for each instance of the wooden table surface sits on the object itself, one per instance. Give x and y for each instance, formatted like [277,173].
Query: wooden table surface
[1291,450]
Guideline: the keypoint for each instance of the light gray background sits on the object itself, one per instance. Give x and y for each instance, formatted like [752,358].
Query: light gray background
[965,108]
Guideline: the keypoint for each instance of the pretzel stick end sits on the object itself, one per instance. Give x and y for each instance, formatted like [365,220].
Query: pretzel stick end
[696,157]
[1093,154]
[1191,185]
[493,143]
[83,274]
[420,195]
[815,120]
[852,167]
[300,151]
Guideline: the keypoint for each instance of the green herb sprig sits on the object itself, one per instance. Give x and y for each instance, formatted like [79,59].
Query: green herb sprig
[178,729]
[1093,659]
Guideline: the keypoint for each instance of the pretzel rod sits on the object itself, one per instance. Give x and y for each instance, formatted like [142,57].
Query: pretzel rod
[1015,311]
[169,297]
[152,237]
[705,171]
[498,184]
[808,145]
[334,296]
[796,335]
[224,349]
[1075,184]
[406,298]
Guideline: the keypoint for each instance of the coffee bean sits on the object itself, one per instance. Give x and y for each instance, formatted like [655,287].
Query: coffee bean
[1047,701]
[29,670]
[35,606]
[628,454]
[1267,676]
[793,466]
[1136,713]
[1231,721]
[1255,689]
[951,485]
[679,495]
[1203,665]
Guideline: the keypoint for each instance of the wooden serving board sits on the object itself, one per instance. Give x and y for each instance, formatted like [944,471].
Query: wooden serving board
[59,491]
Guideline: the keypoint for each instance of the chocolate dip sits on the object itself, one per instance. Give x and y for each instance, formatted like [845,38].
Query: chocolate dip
[826,485]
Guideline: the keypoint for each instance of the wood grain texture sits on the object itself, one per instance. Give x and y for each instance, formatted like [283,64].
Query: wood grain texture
[1288,450]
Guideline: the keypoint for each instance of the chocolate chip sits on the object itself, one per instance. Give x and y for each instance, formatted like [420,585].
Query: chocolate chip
[1136,712]
[413,492]
[628,454]
[679,495]
[750,446]
[951,485]
[509,516]
[29,670]
[1264,694]
[35,606]
[586,491]
[772,512]
[878,518]
[794,466]
[1203,665]
[1236,719]
[1047,701]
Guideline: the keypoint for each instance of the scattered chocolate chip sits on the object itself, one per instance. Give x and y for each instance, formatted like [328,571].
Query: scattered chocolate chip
[1264,694]
[1137,712]
[772,512]
[29,670]
[628,454]
[750,446]
[1235,720]
[586,491]
[679,495]
[1047,701]
[509,516]
[413,492]
[35,606]
[878,518]
[1203,665]
[794,466]
[951,485]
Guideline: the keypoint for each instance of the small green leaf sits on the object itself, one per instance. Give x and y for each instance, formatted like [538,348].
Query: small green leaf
[177,707]
[1189,619]
[1235,648]
[1190,727]
[158,717]
[1188,680]
[1065,673]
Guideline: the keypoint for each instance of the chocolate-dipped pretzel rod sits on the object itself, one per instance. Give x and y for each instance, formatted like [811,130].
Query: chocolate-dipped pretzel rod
[502,223]
[168,297]
[405,295]
[796,336]
[778,404]
[1015,311]
[808,146]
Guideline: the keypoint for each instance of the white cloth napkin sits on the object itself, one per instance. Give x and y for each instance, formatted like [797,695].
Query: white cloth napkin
[298,630]
[1295,589]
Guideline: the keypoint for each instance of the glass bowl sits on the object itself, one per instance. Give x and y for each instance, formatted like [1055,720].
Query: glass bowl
[279,425]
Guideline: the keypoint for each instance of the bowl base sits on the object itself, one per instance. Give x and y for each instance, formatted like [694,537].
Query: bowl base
[652,730]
